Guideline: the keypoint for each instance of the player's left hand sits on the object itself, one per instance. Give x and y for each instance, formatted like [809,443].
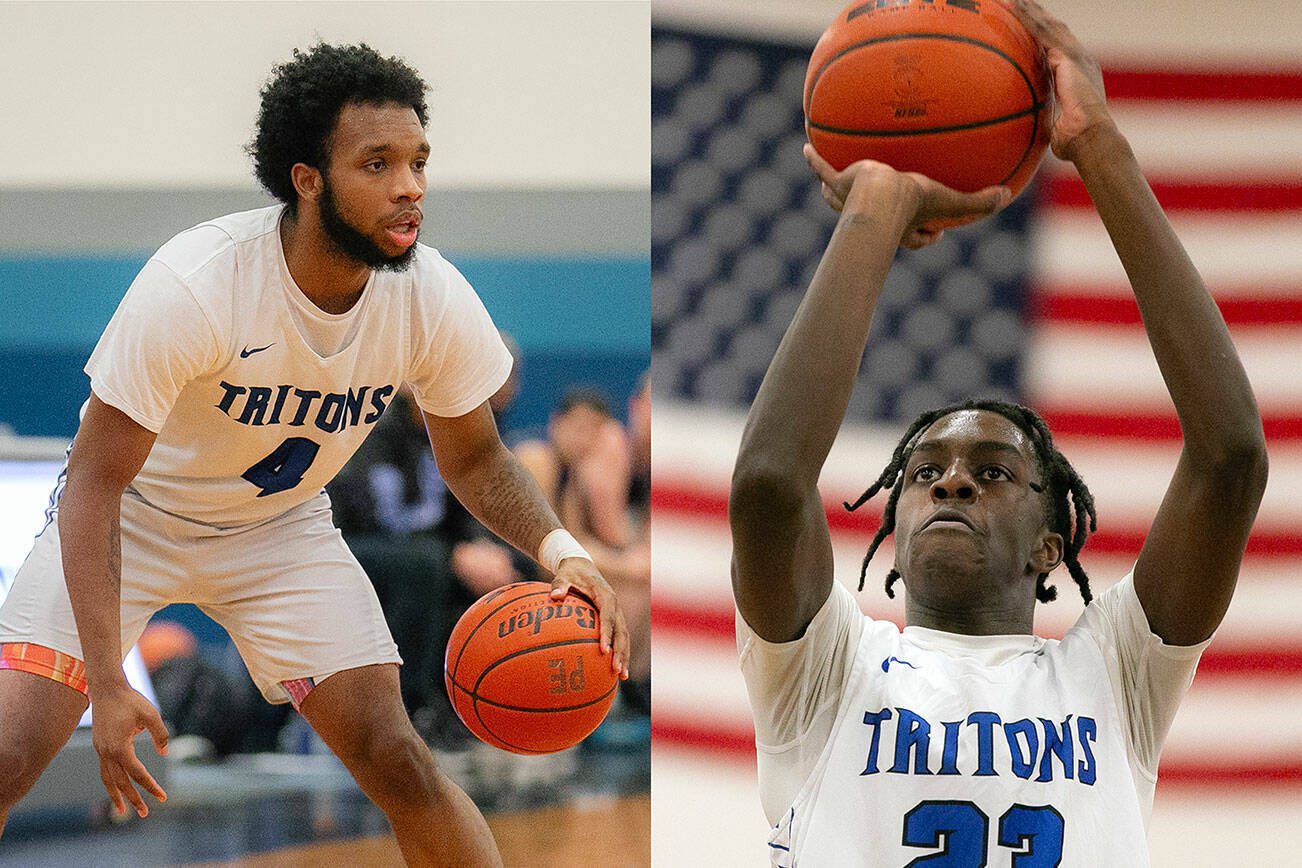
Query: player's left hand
[1081,105]
[583,576]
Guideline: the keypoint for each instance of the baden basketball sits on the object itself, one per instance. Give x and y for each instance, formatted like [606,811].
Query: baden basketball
[525,673]
[953,89]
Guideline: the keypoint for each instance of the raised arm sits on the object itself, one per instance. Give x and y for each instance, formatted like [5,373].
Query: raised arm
[492,483]
[1190,561]
[782,553]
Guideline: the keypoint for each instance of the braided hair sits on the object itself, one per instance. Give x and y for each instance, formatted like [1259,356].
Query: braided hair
[1073,515]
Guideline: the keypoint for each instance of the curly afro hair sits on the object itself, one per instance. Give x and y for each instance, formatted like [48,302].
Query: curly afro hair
[302,100]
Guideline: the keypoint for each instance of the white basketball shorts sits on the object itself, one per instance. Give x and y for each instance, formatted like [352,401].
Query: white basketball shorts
[292,596]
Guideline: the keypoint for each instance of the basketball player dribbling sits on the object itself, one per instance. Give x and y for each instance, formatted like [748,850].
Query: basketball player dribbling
[247,362]
[964,739]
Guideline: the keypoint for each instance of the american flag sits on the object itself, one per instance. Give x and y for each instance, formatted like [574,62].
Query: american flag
[1222,148]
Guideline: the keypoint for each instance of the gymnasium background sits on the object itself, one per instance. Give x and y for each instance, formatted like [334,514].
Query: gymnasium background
[125,123]
[1033,306]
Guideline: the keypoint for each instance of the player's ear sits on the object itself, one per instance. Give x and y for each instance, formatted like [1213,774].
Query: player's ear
[1048,554]
[308,180]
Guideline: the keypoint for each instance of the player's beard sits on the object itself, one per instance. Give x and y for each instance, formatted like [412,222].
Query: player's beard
[352,242]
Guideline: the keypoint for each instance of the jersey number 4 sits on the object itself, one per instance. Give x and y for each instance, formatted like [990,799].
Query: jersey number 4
[961,829]
[284,467]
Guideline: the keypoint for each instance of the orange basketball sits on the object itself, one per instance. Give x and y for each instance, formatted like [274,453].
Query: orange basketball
[525,673]
[954,89]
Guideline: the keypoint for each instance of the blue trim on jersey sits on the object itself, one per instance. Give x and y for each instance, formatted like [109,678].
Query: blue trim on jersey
[52,508]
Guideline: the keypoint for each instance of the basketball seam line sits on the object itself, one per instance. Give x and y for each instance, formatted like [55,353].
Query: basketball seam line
[501,591]
[450,675]
[1036,104]
[901,37]
[1035,134]
[1034,109]
[477,698]
[500,660]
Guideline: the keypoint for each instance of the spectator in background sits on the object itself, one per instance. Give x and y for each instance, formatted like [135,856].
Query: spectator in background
[198,698]
[639,431]
[588,467]
[428,558]
[480,561]
[598,478]
[391,491]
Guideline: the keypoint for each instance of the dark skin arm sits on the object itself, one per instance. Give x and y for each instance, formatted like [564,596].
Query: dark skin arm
[107,454]
[782,552]
[492,483]
[1189,564]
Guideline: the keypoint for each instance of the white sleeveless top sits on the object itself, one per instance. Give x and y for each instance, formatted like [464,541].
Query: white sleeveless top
[257,404]
[877,747]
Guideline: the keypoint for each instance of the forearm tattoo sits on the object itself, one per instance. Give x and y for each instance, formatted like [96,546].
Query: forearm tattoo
[509,501]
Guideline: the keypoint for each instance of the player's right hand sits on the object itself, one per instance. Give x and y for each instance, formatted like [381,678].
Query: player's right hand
[582,575]
[119,715]
[932,207]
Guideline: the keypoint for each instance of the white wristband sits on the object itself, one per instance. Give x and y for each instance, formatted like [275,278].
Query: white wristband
[556,547]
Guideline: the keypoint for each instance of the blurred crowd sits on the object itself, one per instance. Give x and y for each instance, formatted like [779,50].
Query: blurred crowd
[429,559]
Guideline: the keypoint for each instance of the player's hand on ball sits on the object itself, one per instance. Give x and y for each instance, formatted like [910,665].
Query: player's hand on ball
[582,575]
[119,716]
[933,206]
[1081,105]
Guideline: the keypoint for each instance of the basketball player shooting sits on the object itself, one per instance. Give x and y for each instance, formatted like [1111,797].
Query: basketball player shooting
[247,362]
[965,735]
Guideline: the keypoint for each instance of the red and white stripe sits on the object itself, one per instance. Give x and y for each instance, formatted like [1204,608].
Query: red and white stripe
[1223,150]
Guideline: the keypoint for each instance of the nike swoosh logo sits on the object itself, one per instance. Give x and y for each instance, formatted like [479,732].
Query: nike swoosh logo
[886,664]
[246,352]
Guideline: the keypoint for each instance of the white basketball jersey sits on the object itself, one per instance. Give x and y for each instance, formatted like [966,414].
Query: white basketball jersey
[995,750]
[210,350]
